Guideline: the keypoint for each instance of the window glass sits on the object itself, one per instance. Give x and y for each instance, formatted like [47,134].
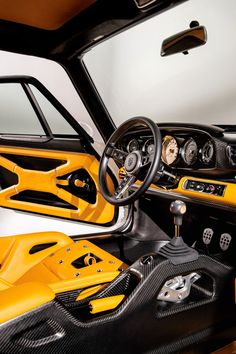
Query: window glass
[17,114]
[56,121]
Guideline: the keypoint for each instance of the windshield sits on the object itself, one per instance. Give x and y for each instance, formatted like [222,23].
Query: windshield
[134,80]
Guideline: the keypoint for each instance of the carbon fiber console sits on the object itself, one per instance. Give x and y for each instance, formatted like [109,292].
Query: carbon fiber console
[142,323]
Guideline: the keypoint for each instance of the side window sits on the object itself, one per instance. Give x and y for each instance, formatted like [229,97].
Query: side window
[17,115]
[56,121]
[24,110]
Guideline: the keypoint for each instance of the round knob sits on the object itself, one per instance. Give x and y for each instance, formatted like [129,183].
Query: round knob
[178,207]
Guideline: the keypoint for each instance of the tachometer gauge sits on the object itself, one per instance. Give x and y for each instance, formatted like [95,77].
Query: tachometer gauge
[148,146]
[189,152]
[132,145]
[170,150]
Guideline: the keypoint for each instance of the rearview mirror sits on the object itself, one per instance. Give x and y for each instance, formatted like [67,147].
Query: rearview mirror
[183,41]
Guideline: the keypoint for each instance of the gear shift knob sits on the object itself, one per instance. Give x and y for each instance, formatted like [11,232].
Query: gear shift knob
[176,250]
[178,208]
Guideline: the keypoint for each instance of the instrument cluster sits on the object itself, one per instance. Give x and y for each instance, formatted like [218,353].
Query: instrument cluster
[178,151]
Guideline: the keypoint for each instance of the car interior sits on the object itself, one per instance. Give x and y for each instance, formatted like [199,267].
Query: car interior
[159,276]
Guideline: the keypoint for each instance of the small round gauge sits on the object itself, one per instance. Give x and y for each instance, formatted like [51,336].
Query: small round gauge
[133,145]
[170,150]
[189,152]
[207,152]
[148,146]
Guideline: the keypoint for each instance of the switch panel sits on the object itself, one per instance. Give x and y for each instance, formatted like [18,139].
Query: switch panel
[205,187]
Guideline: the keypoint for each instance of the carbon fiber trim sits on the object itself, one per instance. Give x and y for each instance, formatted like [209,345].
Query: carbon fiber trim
[222,160]
[57,333]
[136,327]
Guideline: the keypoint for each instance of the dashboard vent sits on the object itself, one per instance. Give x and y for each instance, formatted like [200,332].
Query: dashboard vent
[231,152]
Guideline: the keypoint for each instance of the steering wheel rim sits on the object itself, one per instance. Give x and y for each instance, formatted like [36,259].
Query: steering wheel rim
[109,153]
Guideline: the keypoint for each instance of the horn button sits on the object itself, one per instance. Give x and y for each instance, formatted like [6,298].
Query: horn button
[133,162]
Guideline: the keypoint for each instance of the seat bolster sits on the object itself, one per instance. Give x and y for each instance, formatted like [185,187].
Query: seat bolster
[19,260]
[4,284]
[20,299]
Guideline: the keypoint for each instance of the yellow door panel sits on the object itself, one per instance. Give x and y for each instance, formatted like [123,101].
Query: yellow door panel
[100,212]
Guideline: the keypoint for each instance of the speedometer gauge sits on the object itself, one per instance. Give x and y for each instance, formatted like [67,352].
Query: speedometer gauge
[133,145]
[169,150]
[189,152]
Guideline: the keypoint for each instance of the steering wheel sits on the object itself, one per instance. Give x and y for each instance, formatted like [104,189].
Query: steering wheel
[135,163]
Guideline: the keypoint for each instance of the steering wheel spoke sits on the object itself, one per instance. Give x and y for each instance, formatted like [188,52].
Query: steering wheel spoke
[147,160]
[146,163]
[117,155]
[124,186]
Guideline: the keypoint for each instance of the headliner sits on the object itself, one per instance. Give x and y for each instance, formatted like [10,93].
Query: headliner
[44,14]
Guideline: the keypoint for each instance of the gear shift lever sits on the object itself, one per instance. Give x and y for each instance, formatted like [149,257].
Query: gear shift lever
[178,209]
[176,250]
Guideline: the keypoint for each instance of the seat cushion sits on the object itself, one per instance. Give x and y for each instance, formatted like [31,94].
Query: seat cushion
[20,299]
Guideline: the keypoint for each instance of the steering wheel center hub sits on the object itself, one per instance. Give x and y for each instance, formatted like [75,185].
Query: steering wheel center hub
[133,162]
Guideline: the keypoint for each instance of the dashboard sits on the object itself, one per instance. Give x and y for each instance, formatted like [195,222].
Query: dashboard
[201,149]
[180,149]
[201,158]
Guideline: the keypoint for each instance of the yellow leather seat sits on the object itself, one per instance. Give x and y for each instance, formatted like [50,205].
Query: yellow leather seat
[31,276]
[16,258]
[19,265]
[20,299]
